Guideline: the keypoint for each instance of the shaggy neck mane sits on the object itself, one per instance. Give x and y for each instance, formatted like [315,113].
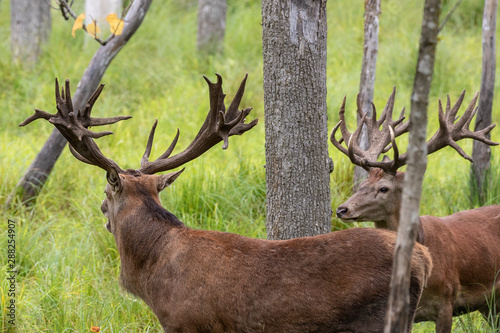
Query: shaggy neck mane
[160,214]
[145,229]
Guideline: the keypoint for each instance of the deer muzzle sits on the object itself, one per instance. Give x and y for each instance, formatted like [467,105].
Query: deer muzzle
[341,211]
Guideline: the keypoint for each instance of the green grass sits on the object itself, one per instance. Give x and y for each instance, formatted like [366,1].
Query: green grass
[68,263]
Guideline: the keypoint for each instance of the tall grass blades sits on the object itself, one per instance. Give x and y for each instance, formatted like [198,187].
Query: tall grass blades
[67,262]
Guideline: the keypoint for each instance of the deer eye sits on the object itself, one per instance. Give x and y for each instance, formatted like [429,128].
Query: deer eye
[384,189]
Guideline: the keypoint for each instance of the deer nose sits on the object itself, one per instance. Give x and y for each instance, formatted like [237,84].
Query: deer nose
[341,211]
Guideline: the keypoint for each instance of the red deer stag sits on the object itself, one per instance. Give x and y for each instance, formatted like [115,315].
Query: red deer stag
[209,281]
[465,246]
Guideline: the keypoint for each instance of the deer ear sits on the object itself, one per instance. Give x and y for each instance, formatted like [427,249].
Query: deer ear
[166,180]
[114,179]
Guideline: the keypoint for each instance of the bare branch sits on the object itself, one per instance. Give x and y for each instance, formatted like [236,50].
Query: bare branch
[66,10]
[441,26]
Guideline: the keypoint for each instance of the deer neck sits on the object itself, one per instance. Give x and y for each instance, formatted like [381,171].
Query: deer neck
[141,240]
[391,222]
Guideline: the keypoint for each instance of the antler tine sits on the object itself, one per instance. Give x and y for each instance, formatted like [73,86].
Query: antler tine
[350,152]
[452,113]
[149,145]
[166,154]
[388,165]
[171,147]
[78,156]
[468,114]
[219,125]
[449,132]
[334,141]
[356,155]
[69,101]
[84,116]
[373,120]
[232,112]
[381,140]
[90,102]
[394,147]
[74,127]
[345,135]
[398,125]
[39,114]
[386,116]
[343,127]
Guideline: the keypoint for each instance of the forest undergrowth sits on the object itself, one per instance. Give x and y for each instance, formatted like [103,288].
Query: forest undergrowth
[67,265]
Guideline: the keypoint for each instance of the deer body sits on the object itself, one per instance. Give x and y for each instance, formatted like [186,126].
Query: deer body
[465,248]
[209,281]
[467,245]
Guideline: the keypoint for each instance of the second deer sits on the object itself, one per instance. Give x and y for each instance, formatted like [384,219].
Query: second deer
[465,246]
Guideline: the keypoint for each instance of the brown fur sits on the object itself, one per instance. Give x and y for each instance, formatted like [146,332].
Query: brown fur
[209,281]
[465,249]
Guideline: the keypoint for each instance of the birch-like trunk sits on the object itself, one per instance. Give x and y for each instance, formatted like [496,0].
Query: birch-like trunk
[98,10]
[397,313]
[30,28]
[211,26]
[481,153]
[297,161]
[367,82]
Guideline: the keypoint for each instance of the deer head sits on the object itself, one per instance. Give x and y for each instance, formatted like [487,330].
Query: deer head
[125,186]
[379,196]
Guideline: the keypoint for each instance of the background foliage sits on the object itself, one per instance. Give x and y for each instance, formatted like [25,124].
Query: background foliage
[68,263]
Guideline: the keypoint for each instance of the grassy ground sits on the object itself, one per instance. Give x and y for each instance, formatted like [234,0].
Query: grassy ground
[68,264]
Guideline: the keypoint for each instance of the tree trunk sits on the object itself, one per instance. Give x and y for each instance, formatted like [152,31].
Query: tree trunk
[397,313]
[34,178]
[30,28]
[211,25]
[297,162]
[481,153]
[367,82]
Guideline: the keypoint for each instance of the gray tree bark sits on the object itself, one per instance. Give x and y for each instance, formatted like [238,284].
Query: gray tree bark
[397,313]
[481,153]
[36,175]
[30,28]
[211,26]
[297,162]
[367,82]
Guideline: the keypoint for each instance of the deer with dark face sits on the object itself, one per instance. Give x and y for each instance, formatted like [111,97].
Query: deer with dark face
[210,281]
[465,246]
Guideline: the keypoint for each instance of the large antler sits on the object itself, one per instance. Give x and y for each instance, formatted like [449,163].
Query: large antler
[381,134]
[74,127]
[451,129]
[218,126]
[450,132]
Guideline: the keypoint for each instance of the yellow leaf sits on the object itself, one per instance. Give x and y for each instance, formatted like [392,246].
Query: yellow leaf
[78,23]
[115,24]
[93,29]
